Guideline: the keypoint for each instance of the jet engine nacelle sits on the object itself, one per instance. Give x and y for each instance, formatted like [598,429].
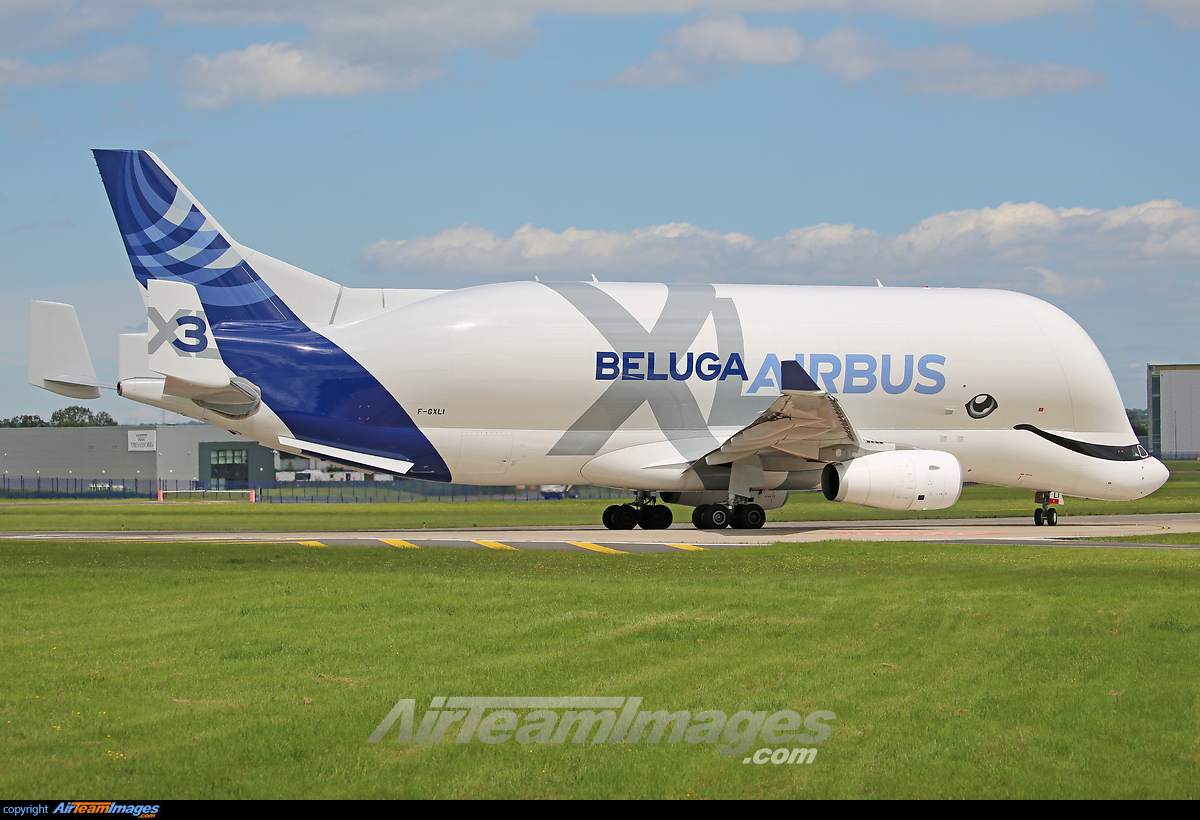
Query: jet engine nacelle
[896,480]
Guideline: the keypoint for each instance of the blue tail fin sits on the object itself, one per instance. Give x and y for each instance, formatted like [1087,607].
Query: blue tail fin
[168,235]
[328,400]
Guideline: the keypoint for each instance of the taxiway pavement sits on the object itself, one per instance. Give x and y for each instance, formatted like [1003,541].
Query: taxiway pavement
[1070,532]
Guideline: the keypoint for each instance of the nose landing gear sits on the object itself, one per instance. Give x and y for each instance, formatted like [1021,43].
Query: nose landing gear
[1046,514]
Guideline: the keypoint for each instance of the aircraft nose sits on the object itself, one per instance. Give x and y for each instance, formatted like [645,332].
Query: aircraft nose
[1154,475]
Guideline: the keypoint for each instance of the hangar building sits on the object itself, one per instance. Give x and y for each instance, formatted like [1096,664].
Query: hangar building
[1173,410]
[175,453]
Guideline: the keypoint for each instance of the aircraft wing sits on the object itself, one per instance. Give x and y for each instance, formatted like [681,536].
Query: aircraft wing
[804,423]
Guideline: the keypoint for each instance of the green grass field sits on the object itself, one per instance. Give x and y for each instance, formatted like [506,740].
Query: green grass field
[219,671]
[1163,538]
[1180,494]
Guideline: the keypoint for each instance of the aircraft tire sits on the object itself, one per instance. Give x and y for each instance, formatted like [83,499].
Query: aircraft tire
[608,517]
[749,517]
[716,517]
[1051,517]
[625,517]
[1039,517]
[698,516]
[655,517]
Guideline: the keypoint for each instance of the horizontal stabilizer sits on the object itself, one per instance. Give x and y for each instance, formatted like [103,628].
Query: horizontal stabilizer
[58,355]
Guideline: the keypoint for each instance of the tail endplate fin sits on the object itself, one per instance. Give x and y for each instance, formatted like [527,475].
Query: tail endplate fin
[58,356]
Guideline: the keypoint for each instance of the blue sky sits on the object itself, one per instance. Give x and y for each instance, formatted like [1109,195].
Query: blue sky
[1047,146]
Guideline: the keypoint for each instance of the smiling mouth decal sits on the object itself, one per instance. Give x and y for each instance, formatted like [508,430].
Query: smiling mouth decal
[1128,452]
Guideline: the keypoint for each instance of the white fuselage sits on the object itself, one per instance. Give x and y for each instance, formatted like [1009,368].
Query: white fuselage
[494,375]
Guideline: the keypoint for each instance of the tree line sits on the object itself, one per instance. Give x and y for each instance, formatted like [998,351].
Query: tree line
[75,416]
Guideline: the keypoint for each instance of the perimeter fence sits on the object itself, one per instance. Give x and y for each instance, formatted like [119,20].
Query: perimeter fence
[288,492]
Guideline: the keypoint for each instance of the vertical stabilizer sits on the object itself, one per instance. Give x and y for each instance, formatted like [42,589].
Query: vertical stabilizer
[169,236]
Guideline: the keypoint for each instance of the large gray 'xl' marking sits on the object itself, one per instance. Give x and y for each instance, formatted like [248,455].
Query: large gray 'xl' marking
[673,403]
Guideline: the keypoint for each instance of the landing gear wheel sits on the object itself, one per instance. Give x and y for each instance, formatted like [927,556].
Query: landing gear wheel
[698,516]
[665,517]
[626,517]
[655,517]
[1039,517]
[1051,517]
[716,517]
[620,517]
[748,517]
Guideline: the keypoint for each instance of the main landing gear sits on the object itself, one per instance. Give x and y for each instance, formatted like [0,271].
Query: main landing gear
[720,516]
[647,513]
[1046,514]
[643,512]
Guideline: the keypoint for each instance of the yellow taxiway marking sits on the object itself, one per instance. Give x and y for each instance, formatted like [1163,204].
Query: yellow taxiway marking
[311,544]
[684,546]
[494,545]
[224,541]
[396,542]
[595,547]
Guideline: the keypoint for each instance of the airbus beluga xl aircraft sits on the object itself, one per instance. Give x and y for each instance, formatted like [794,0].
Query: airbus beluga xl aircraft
[721,397]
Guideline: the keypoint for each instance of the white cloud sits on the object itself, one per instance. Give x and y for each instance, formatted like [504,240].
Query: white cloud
[30,25]
[1047,283]
[268,71]
[1028,246]
[127,63]
[962,12]
[364,46]
[117,65]
[1156,232]
[1183,13]
[703,51]
[732,40]
[955,70]
[956,12]
[476,251]
[355,49]
[240,13]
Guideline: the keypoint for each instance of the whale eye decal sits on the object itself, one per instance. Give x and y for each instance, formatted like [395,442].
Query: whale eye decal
[980,406]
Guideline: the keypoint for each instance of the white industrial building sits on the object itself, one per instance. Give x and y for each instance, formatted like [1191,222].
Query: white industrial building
[1173,410]
[176,453]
